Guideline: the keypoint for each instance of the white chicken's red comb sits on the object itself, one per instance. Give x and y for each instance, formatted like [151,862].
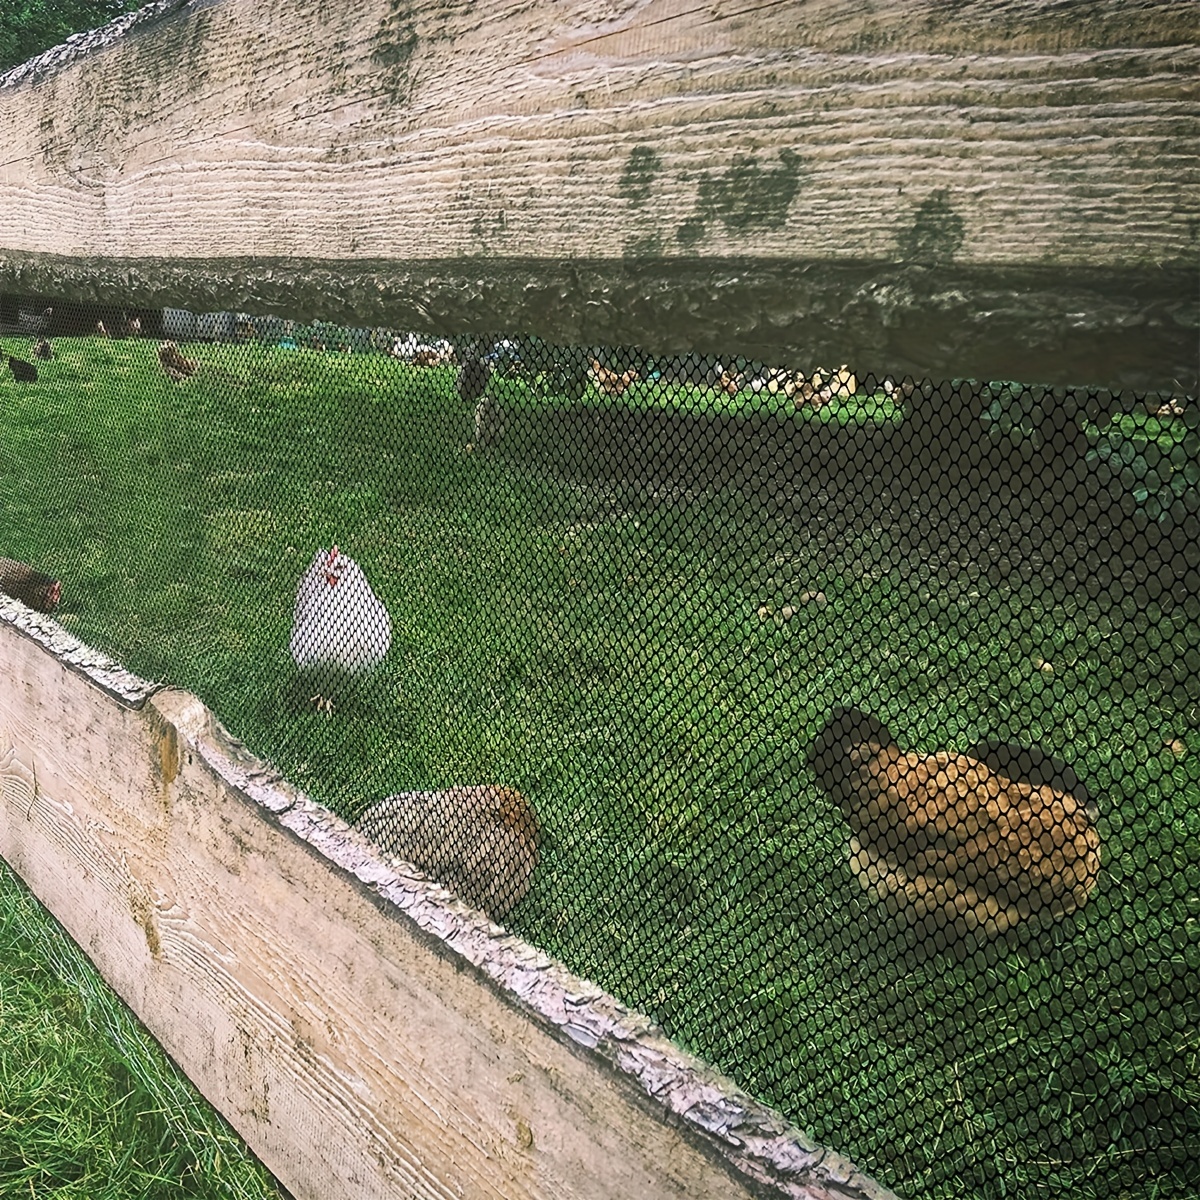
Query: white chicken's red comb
[331,573]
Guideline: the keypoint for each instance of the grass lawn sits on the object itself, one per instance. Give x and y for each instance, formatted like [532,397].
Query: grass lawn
[90,1107]
[648,672]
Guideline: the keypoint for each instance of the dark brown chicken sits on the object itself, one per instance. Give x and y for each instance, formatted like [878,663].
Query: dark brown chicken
[472,378]
[481,842]
[972,843]
[22,582]
[42,349]
[23,372]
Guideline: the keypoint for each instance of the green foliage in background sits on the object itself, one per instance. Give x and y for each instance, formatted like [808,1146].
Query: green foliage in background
[27,27]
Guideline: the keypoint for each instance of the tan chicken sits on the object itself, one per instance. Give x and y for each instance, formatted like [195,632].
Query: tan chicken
[481,842]
[174,365]
[610,382]
[731,382]
[974,844]
[177,368]
[782,382]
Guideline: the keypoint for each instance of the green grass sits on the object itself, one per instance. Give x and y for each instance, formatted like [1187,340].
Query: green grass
[625,662]
[90,1107]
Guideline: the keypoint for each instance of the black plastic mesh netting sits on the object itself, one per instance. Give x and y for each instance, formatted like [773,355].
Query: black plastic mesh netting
[849,727]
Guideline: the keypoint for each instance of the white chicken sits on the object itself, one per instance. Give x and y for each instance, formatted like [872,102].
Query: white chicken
[340,629]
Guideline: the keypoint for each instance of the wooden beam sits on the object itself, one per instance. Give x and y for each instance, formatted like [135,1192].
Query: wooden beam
[366,1033]
[995,188]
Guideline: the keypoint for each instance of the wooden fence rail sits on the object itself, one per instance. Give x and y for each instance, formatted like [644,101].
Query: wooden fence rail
[997,189]
[366,1033]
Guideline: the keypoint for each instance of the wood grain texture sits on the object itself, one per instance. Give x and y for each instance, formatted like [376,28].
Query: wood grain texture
[368,1035]
[925,156]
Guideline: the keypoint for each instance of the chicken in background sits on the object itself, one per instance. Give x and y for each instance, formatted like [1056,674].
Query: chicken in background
[174,365]
[610,382]
[23,582]
[471,382]
[22,371]
[340,629]
[969,843]
[844,383]
[177,368]
[813,391]
[489,424]
[1172,406]
[481,842]
[731,382]
[43,350]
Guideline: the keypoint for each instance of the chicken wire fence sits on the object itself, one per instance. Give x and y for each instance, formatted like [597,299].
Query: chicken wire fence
[849,727]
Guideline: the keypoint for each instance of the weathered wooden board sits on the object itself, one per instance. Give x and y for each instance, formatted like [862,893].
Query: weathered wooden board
[367,1034]
[986,187]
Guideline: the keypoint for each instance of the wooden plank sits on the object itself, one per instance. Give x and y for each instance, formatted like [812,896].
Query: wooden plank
[366,1033]
[998,187]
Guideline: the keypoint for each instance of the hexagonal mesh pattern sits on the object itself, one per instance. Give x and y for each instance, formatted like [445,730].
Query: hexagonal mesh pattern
[848,726]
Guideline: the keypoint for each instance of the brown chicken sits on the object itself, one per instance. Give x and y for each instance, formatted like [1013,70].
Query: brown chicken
[969,843]
[610,382]
[22,582]
[42,349]
[176,367]
[481,842]
[731,383]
